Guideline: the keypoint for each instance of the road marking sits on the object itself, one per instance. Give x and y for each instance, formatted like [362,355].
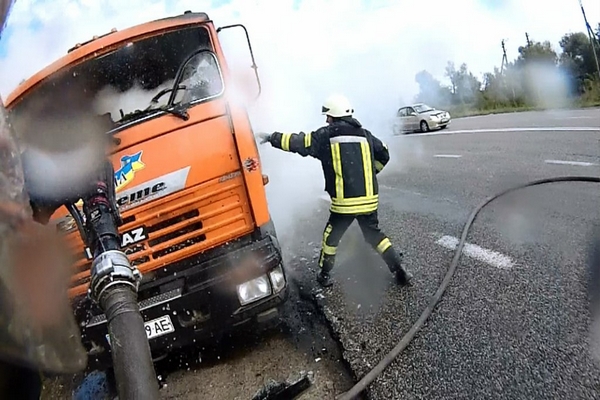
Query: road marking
[487,256]
[582,117]
[500,130]
[565,162]
[447,156]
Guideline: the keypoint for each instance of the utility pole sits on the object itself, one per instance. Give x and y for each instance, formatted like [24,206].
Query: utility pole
[592,37]
[504,58]
[504,65]
[528,41]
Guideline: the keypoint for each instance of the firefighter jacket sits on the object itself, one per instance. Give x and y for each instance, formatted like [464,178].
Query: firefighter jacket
[351,158]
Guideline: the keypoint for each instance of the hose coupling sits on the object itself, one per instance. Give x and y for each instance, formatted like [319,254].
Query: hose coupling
[109,269]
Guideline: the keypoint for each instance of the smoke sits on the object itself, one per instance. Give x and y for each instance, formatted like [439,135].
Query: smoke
[549,86]
[305,50]
[63,144]
[110,100]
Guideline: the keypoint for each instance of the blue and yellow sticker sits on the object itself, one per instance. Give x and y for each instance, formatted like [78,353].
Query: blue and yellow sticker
[130,164]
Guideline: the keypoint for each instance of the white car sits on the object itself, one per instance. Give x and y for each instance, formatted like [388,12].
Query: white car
[420,117]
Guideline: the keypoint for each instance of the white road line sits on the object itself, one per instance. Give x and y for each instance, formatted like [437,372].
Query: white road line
[499,130]
[487,256]
[566,162]
[447,156]
[582,117]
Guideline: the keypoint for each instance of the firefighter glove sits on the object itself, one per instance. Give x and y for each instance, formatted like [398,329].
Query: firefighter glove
[264,137]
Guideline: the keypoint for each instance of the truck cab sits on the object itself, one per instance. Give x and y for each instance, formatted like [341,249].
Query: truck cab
[188,177]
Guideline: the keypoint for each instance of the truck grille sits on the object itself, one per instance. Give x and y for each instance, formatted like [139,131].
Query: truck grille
[178,227]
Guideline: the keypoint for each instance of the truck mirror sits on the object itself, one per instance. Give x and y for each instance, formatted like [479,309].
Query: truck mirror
[253,66]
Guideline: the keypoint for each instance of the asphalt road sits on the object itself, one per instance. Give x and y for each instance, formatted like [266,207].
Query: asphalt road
[515,322]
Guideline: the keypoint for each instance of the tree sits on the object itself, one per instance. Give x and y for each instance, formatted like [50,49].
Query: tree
[577,57]
[452,74]
[465,86]
[431,90]
[535,77]
[503,89]
[537,52]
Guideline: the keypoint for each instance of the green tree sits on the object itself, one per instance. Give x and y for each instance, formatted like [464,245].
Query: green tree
[537,52]
[502,90]
[431,91]
[531,79]
[452,74]
[577,57]
[465,86]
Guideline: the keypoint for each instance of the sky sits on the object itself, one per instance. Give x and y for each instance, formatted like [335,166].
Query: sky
[307,49]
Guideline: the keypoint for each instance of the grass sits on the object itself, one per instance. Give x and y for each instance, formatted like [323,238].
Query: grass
[467,111]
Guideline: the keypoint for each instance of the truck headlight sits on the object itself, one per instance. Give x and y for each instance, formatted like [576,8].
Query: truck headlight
[277,279]
[253,290]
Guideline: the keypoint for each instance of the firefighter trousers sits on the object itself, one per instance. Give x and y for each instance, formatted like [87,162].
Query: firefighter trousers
[369,225]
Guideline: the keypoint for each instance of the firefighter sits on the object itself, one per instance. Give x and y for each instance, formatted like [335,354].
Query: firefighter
[351,157]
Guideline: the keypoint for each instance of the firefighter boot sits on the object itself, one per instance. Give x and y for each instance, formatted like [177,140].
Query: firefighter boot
[394,261]
[323,277]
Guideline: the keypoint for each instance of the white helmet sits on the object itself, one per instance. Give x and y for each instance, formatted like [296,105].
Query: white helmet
[337,106]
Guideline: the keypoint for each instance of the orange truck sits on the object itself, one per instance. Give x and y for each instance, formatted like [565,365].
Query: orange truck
[189,182]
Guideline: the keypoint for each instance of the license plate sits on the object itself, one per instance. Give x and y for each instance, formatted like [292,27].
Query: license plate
[155,328]
[158,327]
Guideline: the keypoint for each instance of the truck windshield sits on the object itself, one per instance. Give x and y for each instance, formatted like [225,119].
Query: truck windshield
[126,86]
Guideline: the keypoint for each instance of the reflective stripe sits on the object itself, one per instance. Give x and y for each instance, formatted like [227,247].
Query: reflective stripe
[355,201]
[367,168]
[359,209]
[329,250]
[337,167]
[325,249]
[348,139]
[307,140]
[384,245]
[285,141]
[379,166]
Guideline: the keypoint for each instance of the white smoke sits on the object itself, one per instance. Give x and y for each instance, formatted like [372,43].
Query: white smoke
[306,49]
[549,86]
[110,100]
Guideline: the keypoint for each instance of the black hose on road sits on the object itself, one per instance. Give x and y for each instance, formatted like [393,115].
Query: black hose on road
[405,341]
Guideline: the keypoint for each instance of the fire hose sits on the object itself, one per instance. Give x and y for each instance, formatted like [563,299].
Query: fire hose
[368,378]
[114,284]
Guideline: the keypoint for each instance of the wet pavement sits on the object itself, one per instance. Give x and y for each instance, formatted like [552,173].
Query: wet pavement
[515,321]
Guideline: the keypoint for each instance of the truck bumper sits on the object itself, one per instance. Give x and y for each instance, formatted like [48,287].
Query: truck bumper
[200,302]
